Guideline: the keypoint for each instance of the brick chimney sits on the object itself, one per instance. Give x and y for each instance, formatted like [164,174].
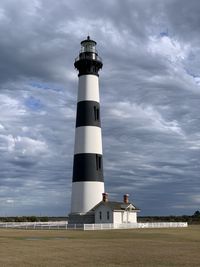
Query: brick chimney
[126,200]
[105,197]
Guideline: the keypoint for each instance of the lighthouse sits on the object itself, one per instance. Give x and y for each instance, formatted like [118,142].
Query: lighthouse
[87,180]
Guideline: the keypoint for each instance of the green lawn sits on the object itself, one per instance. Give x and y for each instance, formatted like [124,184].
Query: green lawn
[137,247]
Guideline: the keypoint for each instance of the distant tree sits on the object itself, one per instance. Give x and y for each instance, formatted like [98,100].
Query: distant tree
[44,219]
[32,219]
[197,213]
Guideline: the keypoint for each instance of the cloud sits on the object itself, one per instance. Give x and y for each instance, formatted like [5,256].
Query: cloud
[146,116]
[196,198]
[169,48]
[26,145]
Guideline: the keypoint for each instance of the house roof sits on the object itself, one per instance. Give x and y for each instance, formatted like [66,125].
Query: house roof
[114,205]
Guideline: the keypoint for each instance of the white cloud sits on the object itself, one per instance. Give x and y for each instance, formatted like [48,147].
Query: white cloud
[168,47]
[29,146]
[10,201]
[10,108]
[195,198]
[1,127]
[2,14]
[194,144]
[197,80]
[146,116]
[7,143]
[22,145]
[32,7]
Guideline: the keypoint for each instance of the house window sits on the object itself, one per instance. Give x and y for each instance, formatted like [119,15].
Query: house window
[100,215]
[98,162]
[108,215]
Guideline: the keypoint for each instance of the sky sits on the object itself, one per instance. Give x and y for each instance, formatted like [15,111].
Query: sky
[150,95]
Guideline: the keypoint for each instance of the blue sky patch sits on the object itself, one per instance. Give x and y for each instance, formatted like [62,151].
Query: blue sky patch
[33,103]
[45,86]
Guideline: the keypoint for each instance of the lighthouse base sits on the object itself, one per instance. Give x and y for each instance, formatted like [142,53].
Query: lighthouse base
[86,195]
[80,218]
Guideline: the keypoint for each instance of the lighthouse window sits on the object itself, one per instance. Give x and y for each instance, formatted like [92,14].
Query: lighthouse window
[98,162]
[96,113]
[108,215]
[100,215]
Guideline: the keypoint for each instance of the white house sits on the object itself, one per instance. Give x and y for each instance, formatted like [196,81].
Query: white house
[115,212]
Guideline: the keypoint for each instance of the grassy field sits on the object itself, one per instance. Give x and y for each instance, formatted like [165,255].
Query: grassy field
[138,247]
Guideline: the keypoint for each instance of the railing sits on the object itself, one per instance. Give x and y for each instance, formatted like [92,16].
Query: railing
[134,225]
[91,56]
[59,225]
[35,225]
[162,225]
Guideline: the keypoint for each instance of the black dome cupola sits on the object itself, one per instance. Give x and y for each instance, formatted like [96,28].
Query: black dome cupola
[88,61]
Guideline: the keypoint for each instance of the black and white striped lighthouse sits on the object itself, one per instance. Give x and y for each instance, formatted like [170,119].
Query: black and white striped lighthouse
[87,181]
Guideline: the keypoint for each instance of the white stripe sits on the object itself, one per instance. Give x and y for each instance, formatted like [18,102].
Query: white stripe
[88,140]
[88,88]
[85,195]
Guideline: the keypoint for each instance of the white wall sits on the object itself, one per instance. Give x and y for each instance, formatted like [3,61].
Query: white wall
[133,217]
[116,217]
[125,217]
[88,88]
[129,217]
[103,209]
[86,195]
[88,140]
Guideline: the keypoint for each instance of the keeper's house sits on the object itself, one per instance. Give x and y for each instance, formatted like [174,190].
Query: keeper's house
[115,212]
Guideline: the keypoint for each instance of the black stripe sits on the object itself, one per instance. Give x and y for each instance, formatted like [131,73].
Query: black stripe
[88,63]
[88,167]
[88,114]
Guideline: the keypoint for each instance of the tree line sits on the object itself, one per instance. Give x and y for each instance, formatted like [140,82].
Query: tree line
[191,219]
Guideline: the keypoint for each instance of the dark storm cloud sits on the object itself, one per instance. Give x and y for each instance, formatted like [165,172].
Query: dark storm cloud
[149,102]
[33,43]
[183,19]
